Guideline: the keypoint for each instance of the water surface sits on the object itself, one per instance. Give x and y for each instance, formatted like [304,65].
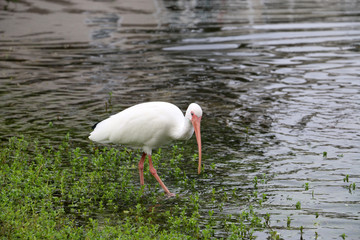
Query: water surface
[278,82]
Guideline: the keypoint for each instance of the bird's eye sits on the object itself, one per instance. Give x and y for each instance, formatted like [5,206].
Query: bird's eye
[192,113]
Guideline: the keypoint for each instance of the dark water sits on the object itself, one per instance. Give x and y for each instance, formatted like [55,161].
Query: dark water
[279,82]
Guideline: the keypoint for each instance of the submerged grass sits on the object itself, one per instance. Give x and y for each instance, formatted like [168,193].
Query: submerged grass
[66,192]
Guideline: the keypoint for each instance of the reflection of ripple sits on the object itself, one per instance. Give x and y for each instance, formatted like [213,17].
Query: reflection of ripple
[103,25]
[202,47]
[313,107]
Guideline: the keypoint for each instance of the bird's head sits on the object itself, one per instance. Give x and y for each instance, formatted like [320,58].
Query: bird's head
[194,114]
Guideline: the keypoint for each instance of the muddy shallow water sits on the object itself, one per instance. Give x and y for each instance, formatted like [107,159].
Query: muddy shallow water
[278,82]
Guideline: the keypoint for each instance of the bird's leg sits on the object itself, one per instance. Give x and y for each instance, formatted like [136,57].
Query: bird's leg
[153,172]
[141,168]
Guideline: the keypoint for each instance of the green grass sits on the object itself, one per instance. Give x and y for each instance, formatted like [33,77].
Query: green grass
[66,192]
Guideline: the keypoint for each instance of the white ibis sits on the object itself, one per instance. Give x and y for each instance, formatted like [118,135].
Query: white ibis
[148,126]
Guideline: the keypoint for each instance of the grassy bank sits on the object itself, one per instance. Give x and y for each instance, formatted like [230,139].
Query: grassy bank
[65,192]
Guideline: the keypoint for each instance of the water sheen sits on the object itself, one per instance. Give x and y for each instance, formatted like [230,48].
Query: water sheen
[278,81]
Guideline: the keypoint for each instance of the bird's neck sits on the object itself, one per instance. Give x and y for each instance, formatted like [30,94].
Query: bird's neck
[185,131]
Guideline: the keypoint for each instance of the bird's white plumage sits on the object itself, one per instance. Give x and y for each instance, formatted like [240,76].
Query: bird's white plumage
[147,125]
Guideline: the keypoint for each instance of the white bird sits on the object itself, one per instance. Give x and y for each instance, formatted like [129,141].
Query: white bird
[148,126]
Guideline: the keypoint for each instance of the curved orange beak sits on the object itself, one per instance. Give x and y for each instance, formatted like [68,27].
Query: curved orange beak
[196,123]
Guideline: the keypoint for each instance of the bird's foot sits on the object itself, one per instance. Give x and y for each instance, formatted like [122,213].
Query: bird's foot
[169,195]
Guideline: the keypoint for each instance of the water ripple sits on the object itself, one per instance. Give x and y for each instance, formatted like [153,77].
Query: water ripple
[278,82]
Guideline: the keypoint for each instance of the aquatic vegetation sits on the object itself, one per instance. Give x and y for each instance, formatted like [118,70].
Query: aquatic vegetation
[66,191]
[301,232]
[6,6]
[69,192]
[108,103]
[343,236]
[351,186]
[288,222]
